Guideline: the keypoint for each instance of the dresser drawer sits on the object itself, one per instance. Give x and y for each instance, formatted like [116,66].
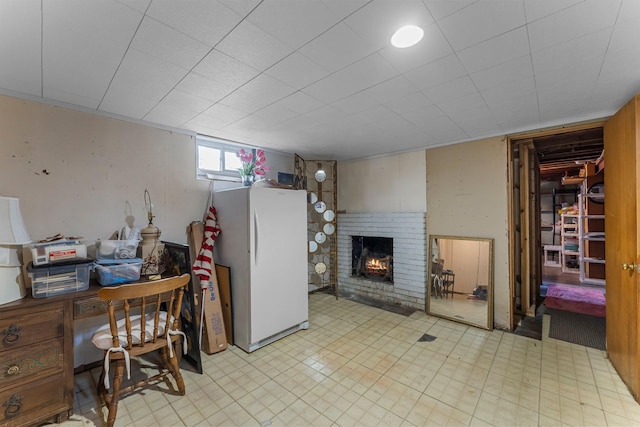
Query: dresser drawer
[25,363]
[32,401]
[18,330]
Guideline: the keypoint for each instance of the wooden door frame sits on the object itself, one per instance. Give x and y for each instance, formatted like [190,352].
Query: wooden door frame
[533,229]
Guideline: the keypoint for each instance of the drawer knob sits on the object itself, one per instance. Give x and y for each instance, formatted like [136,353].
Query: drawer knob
[13,406]
[13,370]
[11,334]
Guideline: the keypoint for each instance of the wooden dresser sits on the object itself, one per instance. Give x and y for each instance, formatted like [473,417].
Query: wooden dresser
[36,361]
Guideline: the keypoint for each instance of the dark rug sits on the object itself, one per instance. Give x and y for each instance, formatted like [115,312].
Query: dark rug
[578,328]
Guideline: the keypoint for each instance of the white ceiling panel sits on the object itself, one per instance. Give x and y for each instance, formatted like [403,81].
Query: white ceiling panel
[146,78]
[481,21]
[21,36]
[92,48]
[297,70]
[498,50]
[436,73]
[451,91]
[300,102]
[170,45]
[177,108]
[319,76]
[354,78]
[205,20]
[252,46]
[257,94]
[294,23]
[573,22]
[338,47]
[412,102]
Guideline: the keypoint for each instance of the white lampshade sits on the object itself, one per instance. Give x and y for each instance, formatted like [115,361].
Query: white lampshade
[12,229]
[12,236]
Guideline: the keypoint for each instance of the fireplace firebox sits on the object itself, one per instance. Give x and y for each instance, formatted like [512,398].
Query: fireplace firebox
[372,258]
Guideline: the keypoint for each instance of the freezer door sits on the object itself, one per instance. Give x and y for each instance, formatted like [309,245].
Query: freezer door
[278,246]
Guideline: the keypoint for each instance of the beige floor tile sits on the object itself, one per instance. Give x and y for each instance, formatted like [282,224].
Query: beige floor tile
[362,366]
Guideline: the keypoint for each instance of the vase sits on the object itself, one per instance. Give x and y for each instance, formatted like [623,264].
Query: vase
[247,180]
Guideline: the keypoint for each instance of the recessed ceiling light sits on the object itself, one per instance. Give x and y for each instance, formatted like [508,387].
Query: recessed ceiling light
[407,36]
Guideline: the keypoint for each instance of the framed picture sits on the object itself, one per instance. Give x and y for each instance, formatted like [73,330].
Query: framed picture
[176,262]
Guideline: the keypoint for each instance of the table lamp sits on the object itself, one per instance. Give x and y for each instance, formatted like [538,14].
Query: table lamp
[12,236]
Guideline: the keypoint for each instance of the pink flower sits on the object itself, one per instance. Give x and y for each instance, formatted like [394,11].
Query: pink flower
[252,163]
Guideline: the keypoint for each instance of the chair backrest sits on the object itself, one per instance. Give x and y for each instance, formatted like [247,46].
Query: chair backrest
[437,266]
[153,324]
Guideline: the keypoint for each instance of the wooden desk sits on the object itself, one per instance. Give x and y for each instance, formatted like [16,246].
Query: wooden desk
[36,356]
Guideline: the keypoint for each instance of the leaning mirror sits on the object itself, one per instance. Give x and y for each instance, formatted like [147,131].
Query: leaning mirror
[461,280]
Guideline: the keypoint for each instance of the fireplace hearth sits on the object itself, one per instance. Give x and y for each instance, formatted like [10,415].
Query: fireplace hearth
[372,258]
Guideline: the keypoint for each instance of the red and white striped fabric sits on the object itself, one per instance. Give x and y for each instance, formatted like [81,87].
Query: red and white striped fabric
[204,260]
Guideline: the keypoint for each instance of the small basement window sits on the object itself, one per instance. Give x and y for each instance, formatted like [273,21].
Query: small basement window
[217,159]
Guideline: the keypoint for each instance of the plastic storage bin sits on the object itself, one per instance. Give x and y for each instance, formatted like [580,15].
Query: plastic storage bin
[116,272]
[60,278]
[116,249]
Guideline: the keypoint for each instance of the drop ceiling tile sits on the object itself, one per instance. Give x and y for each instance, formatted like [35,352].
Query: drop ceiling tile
[225,70]
[481,21]
[536,9]
[433,46]
[294,23]
[440,9]
[92,48]
[342,8]
[427,114]
[571,23]
[205,20]
[297,71]
[498,50]
[241,7]
[376,114]
[276,113]
[510,94]
[389,90]
[451,90]
[159,40]
[411,102]
[378,20]
[436,73]
[355,103]
[144,77]
[300,102]
[257,94]
[197,85]
[519,116]
[337,48]
[21,34]
[252,46]
[325,114]
[461,106]
[573,56]
[478,122]
[215,117]
[177,108]
[503,73]
[354,78]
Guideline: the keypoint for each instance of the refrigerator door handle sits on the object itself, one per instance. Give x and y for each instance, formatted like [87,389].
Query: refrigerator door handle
[255,237]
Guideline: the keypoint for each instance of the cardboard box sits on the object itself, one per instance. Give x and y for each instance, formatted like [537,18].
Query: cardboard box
[214,338]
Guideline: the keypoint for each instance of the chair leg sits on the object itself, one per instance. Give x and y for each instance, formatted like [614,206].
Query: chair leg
[171,363]
[115,396]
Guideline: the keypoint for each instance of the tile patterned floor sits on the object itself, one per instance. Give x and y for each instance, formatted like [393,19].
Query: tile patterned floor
[362,366]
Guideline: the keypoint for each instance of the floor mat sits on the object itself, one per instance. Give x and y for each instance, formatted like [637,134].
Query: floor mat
[578,328]
[576,299]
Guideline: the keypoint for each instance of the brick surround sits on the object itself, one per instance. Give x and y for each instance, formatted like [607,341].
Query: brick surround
[408,230]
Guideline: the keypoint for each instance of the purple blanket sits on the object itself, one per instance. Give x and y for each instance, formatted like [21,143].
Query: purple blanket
[576,299]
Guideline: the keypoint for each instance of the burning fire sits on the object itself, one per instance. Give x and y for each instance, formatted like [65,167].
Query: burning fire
[375,264]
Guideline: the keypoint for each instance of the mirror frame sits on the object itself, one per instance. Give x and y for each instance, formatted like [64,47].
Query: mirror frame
[490,284]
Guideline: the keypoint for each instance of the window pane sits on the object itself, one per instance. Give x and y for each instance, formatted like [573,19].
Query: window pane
[231,161]
[209,158]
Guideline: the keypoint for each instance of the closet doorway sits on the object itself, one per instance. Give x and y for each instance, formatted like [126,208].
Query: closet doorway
[549,172]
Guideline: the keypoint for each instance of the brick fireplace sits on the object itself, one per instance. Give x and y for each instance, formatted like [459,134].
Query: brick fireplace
[408,231]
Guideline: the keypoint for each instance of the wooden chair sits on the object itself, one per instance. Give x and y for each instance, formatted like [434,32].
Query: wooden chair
[129,335]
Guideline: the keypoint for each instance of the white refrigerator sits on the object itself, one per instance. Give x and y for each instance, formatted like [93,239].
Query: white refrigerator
[263,240]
